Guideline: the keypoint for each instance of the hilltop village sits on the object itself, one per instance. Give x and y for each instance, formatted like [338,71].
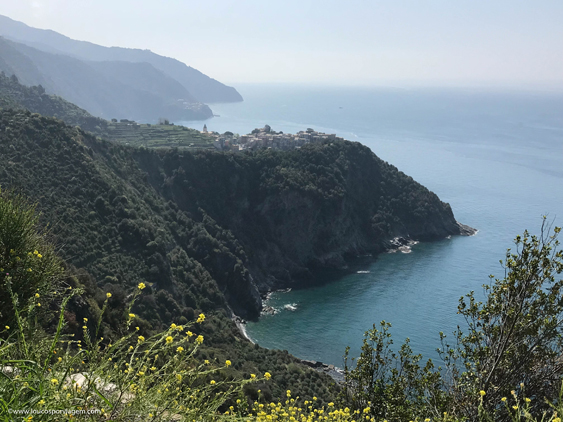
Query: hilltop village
[267,138]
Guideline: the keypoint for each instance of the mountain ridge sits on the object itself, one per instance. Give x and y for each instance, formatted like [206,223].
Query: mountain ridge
[201,86]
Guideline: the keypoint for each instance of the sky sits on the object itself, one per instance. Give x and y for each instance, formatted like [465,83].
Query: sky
[326,42]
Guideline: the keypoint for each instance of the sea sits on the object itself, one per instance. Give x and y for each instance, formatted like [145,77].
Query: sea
[495,155]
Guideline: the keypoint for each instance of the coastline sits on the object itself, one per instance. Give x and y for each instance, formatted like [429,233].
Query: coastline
[352,265]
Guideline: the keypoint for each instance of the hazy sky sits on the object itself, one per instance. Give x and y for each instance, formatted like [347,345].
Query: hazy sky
[370,42]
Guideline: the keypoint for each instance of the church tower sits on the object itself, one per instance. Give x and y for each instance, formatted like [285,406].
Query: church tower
[204,128]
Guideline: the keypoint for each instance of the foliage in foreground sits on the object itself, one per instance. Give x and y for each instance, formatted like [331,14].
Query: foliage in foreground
[511,349]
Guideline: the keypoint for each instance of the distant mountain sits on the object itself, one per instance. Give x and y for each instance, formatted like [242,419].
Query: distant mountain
[35,99]
[202,87]
[106,89]
[14,95]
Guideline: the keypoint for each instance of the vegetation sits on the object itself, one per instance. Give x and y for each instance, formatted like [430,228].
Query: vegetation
[50,375]
[291,211]
[15,95]
[506,365]
[157,136]
[150,239]
[115,231]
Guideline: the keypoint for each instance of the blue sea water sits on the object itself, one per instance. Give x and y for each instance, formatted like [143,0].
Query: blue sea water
[495,156]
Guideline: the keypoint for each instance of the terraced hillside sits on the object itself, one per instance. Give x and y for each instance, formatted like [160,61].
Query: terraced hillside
[155,136]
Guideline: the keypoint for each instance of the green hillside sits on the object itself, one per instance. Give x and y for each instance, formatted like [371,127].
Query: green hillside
[15,95]
[115,231]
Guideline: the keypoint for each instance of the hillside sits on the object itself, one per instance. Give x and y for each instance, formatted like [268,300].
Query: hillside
[103,89]
[269,217]
[34,98]
[15,95]
[115,231]
[209,231]
[157,136]
[202,87]
[297,210]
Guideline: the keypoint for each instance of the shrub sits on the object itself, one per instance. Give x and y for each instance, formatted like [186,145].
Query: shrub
[28,263]
[510,351]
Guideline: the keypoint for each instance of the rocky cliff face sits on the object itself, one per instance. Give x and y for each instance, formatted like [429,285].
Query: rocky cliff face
[299,210]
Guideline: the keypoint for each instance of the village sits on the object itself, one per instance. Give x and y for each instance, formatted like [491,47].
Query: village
[265,138]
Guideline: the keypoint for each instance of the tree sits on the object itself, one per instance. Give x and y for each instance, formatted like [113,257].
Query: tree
[513,340]
[512,346]
[391,386]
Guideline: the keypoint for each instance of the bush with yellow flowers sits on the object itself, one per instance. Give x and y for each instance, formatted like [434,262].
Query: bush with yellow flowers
[123,379]
[54,376]
[28,263]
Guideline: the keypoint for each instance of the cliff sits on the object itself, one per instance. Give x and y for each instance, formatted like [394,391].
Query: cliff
[294,211]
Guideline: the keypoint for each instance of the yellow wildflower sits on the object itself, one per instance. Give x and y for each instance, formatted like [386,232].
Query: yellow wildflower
[212,382]
[108,295]
[141,286]
[482,393]
[54,381]
[252,376]
[200,318]
[131,315]
[180,349]
[199,339]
[227,363]
[140,339]
[267,375]
[36,294]
[169,339]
